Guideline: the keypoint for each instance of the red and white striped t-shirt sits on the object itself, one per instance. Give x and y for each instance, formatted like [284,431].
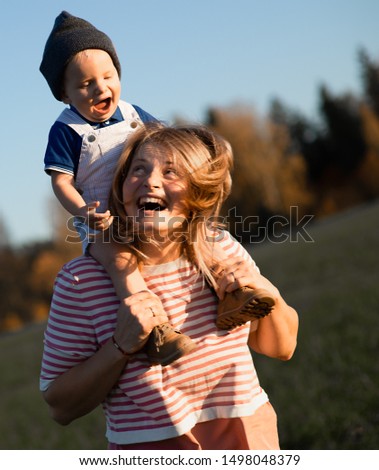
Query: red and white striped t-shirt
[151,403]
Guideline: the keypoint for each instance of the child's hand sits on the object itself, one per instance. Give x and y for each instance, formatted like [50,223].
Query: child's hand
[97,220]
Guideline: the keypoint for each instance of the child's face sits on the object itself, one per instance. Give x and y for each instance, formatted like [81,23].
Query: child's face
[154,192]
[92,85]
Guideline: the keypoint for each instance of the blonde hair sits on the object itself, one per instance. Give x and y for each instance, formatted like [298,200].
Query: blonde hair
[205,161]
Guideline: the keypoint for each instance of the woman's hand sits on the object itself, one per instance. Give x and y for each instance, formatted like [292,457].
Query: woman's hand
[239,272]
[137,315]
[83,387]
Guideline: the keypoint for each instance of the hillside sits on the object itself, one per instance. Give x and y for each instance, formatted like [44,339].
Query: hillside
[325,397]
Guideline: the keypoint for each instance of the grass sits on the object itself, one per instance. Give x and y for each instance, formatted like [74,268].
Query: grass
[326,397]
[25,422]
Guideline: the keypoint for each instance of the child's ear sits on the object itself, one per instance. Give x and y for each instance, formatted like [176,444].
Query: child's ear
[65,98]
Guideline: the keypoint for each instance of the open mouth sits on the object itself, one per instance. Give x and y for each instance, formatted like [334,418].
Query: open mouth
[103,105]
[151,204]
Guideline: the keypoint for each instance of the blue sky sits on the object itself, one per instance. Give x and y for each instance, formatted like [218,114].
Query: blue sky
[179,57]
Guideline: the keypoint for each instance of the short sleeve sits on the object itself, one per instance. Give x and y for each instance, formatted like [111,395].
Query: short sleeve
[63,149]
[144,116]
[232,247]
[69,336]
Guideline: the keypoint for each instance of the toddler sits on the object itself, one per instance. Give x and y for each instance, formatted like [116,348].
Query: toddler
[81,67]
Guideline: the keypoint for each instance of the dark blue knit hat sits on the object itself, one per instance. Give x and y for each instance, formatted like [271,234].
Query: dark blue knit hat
[69,36]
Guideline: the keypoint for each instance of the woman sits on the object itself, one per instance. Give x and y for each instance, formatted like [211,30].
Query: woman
[169,185]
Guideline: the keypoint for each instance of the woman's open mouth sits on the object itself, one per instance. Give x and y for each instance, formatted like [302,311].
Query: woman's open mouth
[152,204]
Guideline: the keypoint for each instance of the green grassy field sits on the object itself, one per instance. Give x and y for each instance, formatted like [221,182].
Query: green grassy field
[326,397]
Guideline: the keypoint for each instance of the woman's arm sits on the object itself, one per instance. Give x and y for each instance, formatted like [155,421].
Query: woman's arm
[276,335]
[82,388]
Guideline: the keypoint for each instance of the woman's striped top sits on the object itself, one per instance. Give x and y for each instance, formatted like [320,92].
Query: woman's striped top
[150,403]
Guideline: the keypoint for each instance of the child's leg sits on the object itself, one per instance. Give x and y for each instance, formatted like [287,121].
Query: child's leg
[164,345]
[121,265]
[242,305]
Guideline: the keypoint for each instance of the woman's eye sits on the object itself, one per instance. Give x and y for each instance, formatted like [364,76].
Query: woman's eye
[138,170]
[171,171]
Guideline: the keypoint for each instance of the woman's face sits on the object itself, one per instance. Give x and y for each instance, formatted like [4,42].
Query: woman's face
[154,193]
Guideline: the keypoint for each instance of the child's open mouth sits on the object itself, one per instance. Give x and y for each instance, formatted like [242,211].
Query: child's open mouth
[103,106]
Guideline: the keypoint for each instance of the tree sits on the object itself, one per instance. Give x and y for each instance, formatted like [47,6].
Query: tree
[4,237]
[370,80]
[343,133]
[268,178]
[27,273]
[368,171]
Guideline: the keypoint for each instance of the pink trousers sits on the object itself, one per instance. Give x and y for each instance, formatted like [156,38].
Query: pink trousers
[257,432]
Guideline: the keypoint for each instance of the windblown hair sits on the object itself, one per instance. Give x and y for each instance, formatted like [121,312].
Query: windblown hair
[204,161]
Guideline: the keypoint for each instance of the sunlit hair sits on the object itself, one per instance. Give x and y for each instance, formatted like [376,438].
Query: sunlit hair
[204,161]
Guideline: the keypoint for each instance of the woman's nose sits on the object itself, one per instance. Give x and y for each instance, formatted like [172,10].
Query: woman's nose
[153,179]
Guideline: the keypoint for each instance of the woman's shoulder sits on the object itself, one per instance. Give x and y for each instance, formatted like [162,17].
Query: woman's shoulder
[83,268]
[230,245]
[225,239]
[82,261]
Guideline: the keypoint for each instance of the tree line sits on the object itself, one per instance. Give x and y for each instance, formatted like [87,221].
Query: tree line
[321,165]
[284,160]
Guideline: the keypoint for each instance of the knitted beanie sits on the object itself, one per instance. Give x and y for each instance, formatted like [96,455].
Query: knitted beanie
[69,36]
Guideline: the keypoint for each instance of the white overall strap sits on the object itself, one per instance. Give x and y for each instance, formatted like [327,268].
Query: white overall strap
[128,112]
[76,122]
